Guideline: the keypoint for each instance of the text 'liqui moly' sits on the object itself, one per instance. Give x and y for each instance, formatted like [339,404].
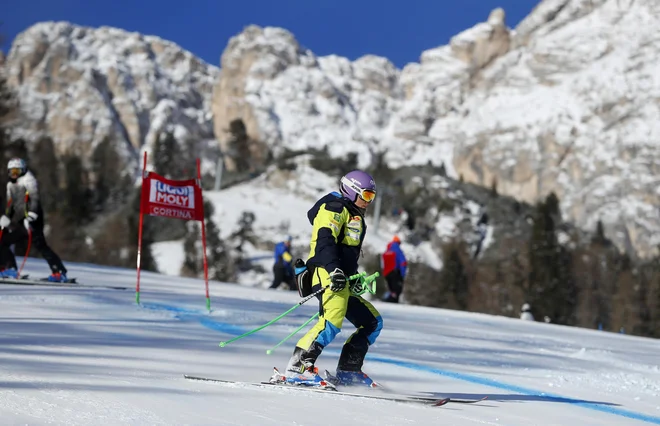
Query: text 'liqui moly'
[175,196]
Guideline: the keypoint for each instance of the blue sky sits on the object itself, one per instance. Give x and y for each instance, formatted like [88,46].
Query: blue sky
[398,30]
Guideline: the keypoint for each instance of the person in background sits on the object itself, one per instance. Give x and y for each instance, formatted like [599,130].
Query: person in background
[23,220]
[283,266]
[526,313]
[395,267]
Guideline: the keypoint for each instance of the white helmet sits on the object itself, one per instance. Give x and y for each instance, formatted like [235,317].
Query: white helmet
[16,164]
[526,307]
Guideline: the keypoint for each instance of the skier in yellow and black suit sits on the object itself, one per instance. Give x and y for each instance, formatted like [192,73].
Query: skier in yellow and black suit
[337,236]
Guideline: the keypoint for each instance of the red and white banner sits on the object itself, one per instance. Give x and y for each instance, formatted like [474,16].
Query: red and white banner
[178,199]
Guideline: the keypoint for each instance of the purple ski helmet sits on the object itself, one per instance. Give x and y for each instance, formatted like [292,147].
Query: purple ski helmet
[358,184]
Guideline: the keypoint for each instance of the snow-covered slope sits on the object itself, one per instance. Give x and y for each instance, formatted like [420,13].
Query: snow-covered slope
[92,356]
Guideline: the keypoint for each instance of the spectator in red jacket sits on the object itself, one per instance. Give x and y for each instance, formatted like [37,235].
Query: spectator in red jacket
[395,267]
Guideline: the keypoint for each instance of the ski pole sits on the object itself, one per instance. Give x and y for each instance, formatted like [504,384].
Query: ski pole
[370,287]
[27,252]
[279,317]
[270,351]
[368,284]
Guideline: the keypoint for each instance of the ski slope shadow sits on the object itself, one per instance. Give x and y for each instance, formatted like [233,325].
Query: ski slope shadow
[518,393]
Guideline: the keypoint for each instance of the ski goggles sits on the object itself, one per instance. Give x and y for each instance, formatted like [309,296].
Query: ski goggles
[15,172]
[367,195]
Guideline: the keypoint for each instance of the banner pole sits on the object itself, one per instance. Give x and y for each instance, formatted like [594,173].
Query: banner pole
[139,250]
[206,266]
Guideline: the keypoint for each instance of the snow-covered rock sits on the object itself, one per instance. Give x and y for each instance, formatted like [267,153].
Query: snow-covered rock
[81,85]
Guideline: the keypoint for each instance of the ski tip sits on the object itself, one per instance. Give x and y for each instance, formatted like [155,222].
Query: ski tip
[441,402]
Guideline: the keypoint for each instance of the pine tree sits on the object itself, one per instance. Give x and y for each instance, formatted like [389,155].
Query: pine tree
[72,209]
[245,232]
[44,163]
[166,156]
[351,162]
[552,207]
[654,300]
[239,145]
[220,262]
[453,276]
[601,286]
[600,237]
[552,289]
[642,320]
[192,262]
[76,206]
[442,171]
[493,187]
[106,166]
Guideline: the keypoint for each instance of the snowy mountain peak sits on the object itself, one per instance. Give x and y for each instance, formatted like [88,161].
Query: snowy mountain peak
[286,96]
[78,84]
[484,42]
[263,52]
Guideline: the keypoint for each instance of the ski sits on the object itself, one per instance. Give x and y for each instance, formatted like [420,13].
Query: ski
[332,379]
[71,283]
[467,401]
[68,281]
[437,402]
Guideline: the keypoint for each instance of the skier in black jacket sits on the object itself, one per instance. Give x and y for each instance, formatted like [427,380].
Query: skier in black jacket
[22,216]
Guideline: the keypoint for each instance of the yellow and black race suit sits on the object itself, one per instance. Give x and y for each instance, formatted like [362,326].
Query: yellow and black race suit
[337,235]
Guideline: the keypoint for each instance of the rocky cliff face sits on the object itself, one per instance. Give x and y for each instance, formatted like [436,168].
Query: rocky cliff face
[566,102]
[81,85]
[572,108]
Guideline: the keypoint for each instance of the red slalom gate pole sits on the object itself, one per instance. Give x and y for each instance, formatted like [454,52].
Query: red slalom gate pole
[206,266]
[139,250]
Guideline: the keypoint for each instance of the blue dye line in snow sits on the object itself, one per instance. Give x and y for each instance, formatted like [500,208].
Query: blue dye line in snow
[168,308]
[518,389]
[231,329]
[198,315]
